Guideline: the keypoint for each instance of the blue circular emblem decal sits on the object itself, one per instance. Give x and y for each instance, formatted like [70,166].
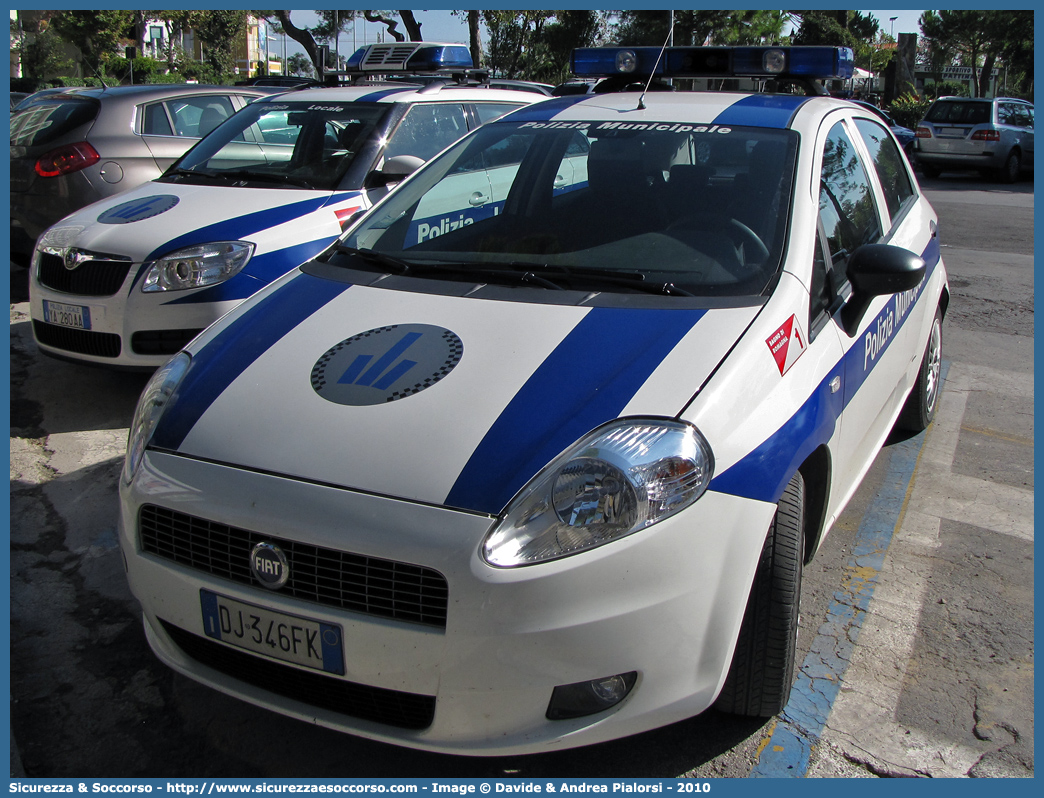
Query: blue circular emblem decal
[138,209]
[386,363]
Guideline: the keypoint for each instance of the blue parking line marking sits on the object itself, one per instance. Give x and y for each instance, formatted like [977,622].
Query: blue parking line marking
[798,729]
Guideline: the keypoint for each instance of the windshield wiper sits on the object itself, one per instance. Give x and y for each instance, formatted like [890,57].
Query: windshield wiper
[397,265]
[553,276]
[264,177]
[557,278]
[179,172]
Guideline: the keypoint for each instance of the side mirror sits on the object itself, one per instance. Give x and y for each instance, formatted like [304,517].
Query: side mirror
[395,170]
[878,270]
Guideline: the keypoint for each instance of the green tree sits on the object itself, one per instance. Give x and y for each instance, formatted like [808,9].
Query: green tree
[694,27]
[218,31]
[534,44]
[980,38]
[41,52]
[97,34]
[299,64]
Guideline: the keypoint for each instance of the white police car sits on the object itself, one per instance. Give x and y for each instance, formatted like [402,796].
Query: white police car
[130,280]
[548,477]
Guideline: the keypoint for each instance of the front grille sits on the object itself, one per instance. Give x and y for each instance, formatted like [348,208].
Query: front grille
[329,577]
[90,278]
[84,342]
[161,342]
[378,704]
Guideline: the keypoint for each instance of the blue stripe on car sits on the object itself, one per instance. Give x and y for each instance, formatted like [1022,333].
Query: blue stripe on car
[239,227]
[546,109]
[377,96]
[236,347]
[586,381]
[762,110]
[764,473]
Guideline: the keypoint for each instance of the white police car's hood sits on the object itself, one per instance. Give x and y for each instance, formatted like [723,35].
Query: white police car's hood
[438,399]
[158,218]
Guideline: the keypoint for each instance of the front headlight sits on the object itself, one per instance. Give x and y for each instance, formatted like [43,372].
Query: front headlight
[155,400]
[617,480]
[198,266]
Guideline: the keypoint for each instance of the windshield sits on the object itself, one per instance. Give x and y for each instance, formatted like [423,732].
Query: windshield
[284,144]
[661,207]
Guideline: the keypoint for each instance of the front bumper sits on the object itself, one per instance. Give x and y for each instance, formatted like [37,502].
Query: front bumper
[954,159]
[666,602]
[127,329]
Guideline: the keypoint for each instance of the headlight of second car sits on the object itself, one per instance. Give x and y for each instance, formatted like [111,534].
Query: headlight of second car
[615,481]
[198,266]
[154,401]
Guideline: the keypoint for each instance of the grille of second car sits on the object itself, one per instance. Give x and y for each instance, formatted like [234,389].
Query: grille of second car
[353,582]
[84,342]
[90,278]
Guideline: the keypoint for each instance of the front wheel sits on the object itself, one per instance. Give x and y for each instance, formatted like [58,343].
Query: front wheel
[762,669]
[923,400]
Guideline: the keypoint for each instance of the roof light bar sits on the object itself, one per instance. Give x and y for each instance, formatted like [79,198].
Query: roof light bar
[825,63]
[410,57]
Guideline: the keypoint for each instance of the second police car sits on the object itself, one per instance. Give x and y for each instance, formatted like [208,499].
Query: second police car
[128,281]
[541,471]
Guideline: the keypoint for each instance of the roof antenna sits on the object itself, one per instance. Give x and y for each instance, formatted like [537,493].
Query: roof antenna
[648,83]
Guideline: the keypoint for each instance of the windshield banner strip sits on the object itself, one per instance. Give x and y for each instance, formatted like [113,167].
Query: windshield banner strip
[586,381]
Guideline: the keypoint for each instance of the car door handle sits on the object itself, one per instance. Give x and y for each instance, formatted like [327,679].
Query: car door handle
[478,198]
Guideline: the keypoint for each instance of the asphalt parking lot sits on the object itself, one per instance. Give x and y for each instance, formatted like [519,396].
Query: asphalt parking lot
[917,615]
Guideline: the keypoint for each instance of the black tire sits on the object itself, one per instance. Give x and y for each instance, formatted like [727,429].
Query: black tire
[762,669]
[923,400]
[930,171]
[1012,168]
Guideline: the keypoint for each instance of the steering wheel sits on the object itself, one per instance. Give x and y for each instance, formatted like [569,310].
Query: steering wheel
[720,222]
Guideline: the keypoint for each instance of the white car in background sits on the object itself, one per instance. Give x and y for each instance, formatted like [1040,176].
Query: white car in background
[129,281]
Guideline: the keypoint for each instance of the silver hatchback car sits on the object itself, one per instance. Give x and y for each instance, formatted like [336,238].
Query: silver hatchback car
[993,136]
[74,147]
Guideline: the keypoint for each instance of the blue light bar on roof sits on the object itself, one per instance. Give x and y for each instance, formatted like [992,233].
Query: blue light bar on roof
[409,57]
[721,62]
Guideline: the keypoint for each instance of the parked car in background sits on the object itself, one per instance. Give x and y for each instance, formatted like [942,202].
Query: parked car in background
[904,135]
[72,147]
[993,136]
[130,280]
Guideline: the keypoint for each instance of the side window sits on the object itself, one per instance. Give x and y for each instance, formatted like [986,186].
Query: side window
[888,164]
[194,117]
[846,201]
[156,122]
[427,130]
[487,112]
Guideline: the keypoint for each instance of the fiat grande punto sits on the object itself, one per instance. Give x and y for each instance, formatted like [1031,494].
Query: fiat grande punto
[534,455]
